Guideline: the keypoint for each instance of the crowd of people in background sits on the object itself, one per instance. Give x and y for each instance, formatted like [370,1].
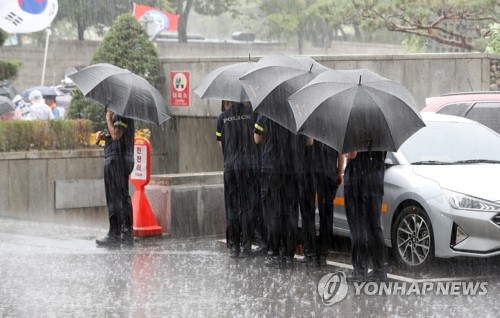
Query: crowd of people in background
[271,176]
[38,107]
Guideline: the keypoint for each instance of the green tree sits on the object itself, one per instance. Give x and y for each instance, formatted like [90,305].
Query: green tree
[3,36]
[88,13]
[204,7]
[317,20]
[492,35]
[126,45]
[9,69]
[325,19]
[450,22]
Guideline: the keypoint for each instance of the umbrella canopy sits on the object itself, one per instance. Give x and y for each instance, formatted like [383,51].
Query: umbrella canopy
[45,90]
[123,92]
[223,83]
[273,79]
[6,105]
[7,90]
[356,110]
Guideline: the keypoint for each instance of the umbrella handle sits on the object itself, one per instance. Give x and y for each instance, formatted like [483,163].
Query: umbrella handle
[369,148]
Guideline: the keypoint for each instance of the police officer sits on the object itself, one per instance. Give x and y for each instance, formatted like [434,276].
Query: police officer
[279,192]
[294,191]
[327,165]
[308,209]
[241,163]
[328,176]
[118,165]
[364,189]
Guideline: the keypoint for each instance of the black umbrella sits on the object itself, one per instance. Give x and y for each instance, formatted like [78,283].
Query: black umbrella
[122,92]
[45,90]
[7,90]
[6,105]
[273,79]
[356,110]
[223,83]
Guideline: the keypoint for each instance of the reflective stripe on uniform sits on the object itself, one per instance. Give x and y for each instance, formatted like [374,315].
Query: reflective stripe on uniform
[120,123]
[258,127]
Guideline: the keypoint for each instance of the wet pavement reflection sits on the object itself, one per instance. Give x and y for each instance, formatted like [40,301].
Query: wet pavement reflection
[51,270]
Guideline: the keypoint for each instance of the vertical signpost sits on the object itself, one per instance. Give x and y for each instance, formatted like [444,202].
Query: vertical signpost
[144,219]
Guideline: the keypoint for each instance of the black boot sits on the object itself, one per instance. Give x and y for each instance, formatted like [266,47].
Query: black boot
[376,276]
[109,240]
[272,260]
[309,260]
[128,236]
[235,253]
[357,276]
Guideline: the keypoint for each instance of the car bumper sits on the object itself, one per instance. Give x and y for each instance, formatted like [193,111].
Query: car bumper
[481,229]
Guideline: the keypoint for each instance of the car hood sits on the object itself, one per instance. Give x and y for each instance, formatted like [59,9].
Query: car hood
[478,180]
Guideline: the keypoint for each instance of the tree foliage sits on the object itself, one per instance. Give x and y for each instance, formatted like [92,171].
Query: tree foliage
[88,13]
[492,35]
[125,45]
[205,7]
[450,22]
[3,36]
[317,20]
[9,69]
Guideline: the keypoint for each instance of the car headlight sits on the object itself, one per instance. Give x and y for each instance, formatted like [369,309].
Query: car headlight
[462,201]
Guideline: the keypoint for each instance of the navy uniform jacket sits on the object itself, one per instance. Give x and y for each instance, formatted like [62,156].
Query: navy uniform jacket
[366,172]
[235,132]
[124,147]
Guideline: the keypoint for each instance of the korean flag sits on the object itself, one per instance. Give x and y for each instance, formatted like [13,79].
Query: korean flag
[26,16]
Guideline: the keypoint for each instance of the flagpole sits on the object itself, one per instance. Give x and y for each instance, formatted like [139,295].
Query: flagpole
[48,34]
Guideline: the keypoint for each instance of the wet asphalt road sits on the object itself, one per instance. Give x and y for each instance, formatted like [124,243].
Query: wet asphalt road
[51,270]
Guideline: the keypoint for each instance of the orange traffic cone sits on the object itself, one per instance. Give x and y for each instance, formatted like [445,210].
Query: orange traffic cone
[144,219]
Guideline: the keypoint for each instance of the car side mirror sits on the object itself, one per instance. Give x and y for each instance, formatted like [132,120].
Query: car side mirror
[388,162]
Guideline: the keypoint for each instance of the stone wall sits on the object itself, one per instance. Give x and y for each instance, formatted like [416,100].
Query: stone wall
[64,54]
[53,186]
[67,187]
[424,75]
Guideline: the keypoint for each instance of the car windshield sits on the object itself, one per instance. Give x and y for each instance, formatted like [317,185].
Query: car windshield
[452,143]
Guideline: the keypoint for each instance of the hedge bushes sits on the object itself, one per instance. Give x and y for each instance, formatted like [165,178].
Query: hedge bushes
[22,135]
[9,69]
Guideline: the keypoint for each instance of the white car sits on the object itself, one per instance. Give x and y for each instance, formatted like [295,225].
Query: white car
[441,195]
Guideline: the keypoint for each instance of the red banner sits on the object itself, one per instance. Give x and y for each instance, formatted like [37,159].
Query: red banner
[163,20]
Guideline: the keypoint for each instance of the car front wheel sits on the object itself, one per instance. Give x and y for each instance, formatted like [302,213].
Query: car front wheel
[412,237]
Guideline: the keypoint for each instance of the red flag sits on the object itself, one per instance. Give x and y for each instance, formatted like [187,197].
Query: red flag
[163,20]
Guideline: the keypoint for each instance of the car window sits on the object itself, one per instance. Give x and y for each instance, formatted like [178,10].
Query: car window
[457,109]
[448,142]
[487,114]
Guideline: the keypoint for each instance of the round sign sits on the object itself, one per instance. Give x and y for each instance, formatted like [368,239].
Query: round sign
[180,82]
